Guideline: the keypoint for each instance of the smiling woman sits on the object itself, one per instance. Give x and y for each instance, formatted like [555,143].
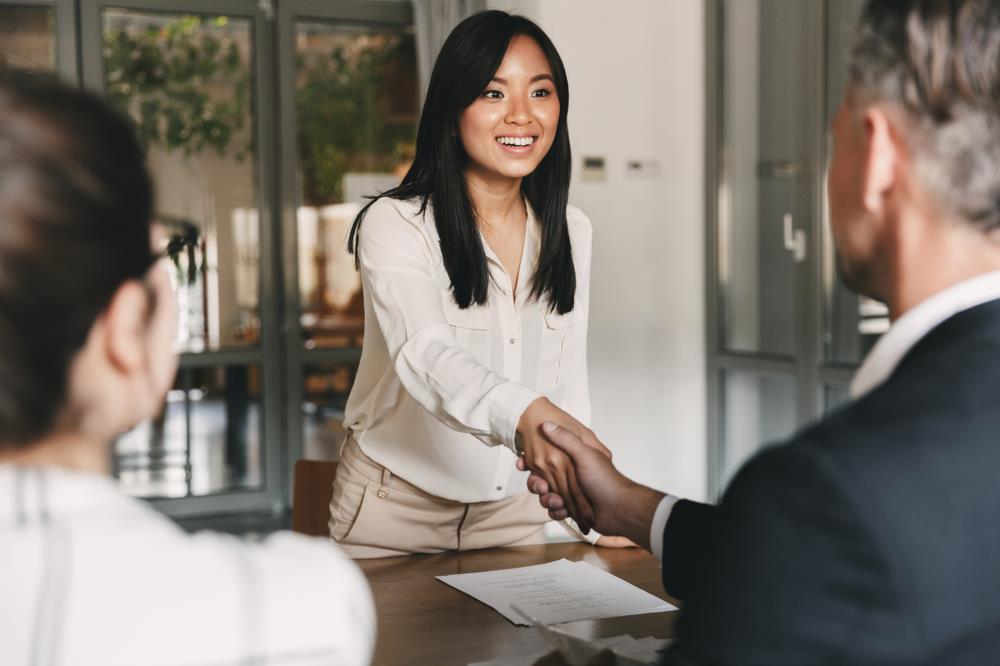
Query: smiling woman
[510,127]
[476,286]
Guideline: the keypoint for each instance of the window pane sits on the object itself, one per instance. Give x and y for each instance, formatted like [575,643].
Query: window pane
[834,396]
[325,390]
[756,410]
[206,440]
[188,82]
[356,106]
[27,38]
[764,195]
[854,324]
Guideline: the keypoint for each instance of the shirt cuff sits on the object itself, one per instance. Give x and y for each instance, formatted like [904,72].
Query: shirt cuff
[507,404]
[590,537]
[659,525]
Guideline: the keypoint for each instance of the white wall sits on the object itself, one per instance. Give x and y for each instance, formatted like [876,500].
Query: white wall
[637,92]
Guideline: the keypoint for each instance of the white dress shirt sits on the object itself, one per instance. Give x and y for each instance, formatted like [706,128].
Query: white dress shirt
[890,349]
[91,576]
[917,322]
[440,390]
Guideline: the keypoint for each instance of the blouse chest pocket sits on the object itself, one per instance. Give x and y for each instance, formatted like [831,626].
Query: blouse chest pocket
[556,349]
[471,328]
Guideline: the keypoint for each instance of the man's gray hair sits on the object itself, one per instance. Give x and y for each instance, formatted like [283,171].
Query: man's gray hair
[939,61]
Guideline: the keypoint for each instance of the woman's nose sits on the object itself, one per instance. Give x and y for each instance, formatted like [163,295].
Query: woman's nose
[517,113]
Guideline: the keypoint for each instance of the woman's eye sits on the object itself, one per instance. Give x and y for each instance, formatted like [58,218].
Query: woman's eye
[544,92]
[493,94]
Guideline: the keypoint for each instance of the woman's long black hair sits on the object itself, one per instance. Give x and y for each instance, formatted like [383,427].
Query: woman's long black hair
[468,60]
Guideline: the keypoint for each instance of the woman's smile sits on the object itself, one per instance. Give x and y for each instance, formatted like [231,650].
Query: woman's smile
[517,145]
[510,128]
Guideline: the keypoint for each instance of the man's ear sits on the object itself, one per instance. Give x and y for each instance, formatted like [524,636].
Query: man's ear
[125,322]
[881,159]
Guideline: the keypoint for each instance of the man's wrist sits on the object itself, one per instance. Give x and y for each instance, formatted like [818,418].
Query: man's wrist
[636,508]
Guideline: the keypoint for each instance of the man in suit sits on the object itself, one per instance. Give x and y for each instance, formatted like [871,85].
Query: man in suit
[872,537]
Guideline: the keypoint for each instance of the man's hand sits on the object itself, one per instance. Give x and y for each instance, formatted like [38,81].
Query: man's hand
[620,506]
[542,411]
[602,484]
[549,463]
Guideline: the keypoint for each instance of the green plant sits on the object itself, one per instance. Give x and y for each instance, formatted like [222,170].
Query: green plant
[188,87]
[185,82]
[344,101]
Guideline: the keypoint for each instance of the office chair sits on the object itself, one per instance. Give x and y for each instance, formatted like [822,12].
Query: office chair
[312,492]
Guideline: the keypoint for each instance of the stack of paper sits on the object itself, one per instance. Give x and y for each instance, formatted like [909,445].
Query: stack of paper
[556,592]
[576,651]
[626,650]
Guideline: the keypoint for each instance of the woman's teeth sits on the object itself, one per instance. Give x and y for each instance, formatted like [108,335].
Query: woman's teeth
[516,140]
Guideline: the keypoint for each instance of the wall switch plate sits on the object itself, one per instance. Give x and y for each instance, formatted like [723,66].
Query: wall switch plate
[593,169]
[642,168]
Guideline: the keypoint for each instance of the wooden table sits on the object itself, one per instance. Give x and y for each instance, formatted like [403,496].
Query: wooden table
[423,621]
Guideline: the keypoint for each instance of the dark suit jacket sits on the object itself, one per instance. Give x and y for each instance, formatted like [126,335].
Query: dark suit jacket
[872,537]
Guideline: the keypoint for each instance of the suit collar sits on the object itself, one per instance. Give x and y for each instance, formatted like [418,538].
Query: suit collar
[916,323]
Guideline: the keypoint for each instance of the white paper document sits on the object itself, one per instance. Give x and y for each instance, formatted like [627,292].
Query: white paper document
[625,650]
[557,592]
[577,651]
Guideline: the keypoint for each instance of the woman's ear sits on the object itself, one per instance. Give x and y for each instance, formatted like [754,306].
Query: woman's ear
[108,376]
[125,321]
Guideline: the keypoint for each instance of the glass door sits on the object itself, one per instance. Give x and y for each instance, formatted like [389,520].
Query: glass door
[349,110]
[193,75]
[784,334]
[762,242]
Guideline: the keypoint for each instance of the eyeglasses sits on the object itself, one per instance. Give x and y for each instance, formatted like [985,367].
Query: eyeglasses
[187,239]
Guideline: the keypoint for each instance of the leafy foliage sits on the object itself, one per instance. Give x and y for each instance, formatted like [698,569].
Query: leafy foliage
[347,122]
[185,82]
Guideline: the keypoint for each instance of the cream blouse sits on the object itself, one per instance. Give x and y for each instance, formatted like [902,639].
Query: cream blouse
[440,390]
[92,576]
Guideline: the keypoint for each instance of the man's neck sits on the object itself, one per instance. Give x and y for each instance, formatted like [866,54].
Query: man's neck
[934,257]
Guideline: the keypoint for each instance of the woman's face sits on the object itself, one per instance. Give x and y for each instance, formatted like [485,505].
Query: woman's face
[509,129]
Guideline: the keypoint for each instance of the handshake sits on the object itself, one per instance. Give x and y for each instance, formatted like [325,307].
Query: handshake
[572,473]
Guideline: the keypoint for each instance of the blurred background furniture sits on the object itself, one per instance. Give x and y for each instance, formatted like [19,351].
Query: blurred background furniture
[312,492]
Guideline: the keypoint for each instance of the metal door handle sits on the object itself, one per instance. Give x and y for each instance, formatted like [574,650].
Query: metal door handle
[795,240]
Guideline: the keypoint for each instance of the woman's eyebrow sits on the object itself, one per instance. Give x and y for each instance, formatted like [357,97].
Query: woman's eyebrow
[537,77]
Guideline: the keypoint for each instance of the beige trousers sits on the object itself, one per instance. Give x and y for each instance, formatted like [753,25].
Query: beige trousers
[377,514]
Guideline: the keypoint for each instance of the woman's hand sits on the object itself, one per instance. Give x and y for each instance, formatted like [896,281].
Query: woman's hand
[606,541]
[542,410]
[551,464]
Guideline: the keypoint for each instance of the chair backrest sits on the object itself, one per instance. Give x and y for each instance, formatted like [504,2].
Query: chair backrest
[311,497]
